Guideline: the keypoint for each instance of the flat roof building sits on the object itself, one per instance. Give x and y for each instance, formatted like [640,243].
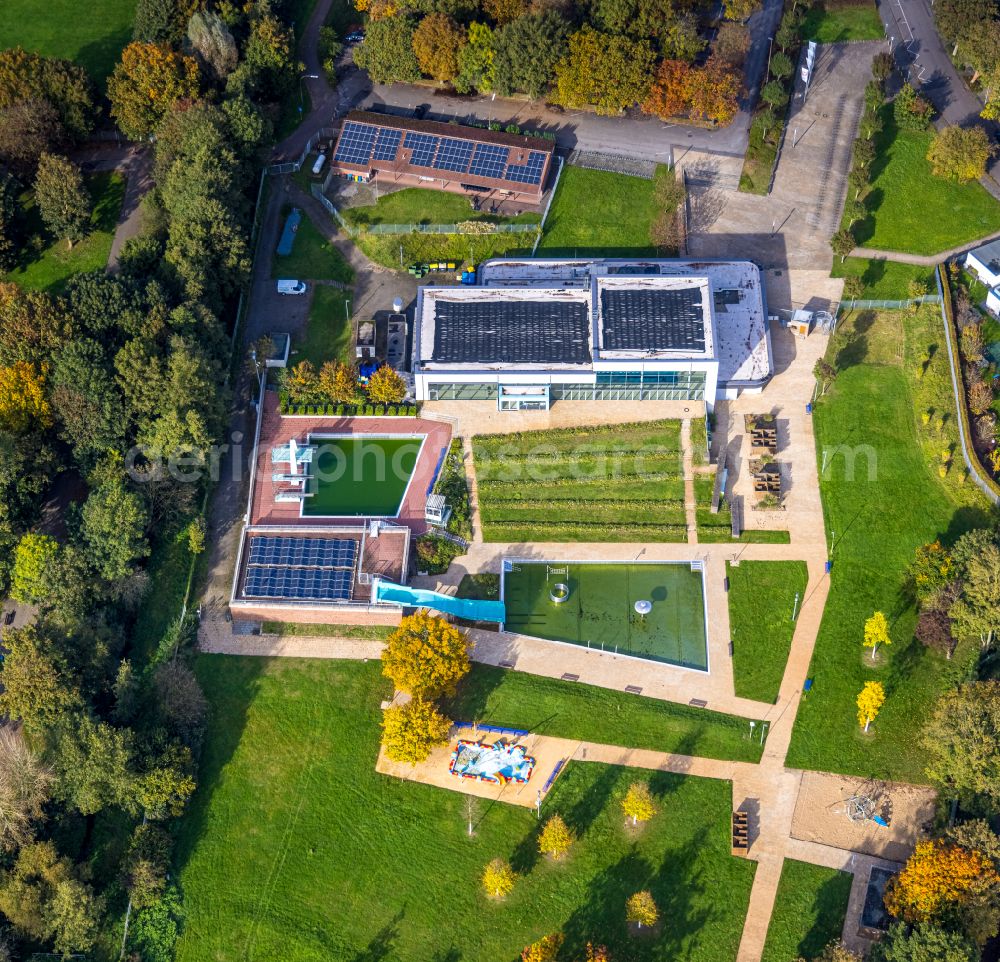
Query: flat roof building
[400,151]
[534,332]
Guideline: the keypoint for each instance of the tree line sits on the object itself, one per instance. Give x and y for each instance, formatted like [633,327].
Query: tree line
[104,384]
[607,55]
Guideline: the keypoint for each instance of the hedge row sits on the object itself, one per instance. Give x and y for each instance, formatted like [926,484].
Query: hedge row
[538,531]
[351,410]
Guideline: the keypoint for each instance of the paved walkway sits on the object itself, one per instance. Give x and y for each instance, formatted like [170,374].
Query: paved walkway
[929,260]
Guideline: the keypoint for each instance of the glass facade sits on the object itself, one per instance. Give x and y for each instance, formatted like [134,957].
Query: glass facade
[610,386]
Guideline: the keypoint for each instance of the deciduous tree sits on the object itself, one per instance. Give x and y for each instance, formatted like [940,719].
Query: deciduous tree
[38,686]
[146,864]
[668,96]
[870,701]
[555,838]
[62,199]
[544,950]
[836,951]
[774,94]
[212,40]
[475,60]
[962,738]
[62,83]
[781,66]
[28,129]
[714,92]
[910,110]
[608,72]
[732,43]
[842,243]
[924,942]
[161,21]
[976,611]
[23,402]
[147,81]
[640,909]
[934,630]
[25,782]
[437,43]
[426,656]
[385,386]
[960,154]
[876,632]
[113,528]
[638,803]
[387,51]
[498,878]
[526,53]
[740,10]
[412,731]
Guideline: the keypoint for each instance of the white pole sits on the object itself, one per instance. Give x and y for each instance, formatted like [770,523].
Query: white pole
[795,609]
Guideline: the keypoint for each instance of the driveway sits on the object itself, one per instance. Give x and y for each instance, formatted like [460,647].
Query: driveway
[636,134]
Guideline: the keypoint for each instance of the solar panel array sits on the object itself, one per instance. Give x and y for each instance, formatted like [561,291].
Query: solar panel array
[362,143]
[321,584]
[300,568]
[303,552]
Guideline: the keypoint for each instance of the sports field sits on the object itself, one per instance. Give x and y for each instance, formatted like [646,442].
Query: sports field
[599,611]
[360,476]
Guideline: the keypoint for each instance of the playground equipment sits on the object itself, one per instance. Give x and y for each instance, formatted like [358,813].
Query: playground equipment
[467,608]
[870,802]
[499,763]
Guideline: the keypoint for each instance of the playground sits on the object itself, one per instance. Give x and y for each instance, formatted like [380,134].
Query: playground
[653,611]
[360,475]
[500,762]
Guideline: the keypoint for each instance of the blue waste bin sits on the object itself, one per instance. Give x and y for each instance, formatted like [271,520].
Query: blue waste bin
[809,408]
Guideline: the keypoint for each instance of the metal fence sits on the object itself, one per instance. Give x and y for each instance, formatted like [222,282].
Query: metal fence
[317,192]
[868,305]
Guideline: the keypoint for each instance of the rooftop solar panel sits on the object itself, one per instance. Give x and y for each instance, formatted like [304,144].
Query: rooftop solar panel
[423,147]
[653,320]
[453,154]
[355,144]
[514,331]
[387,145]
[319,584]
[303,552]
[529,172]
[489,160]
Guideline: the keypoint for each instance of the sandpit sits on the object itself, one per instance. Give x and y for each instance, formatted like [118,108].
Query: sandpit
[821,815]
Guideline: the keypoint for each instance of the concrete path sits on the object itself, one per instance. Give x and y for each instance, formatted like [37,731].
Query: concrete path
[137,168]
[928,260]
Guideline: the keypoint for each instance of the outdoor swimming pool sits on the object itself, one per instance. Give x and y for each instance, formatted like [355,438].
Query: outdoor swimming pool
[360,475]
[598,609]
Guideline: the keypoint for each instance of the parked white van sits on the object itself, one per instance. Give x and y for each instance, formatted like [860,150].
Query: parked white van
[291,287]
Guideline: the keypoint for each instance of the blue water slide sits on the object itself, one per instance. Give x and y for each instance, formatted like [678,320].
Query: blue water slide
[468,608]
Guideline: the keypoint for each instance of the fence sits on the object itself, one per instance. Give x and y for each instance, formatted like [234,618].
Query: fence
[317,191]
[867,305]
[292,166]
[480,229]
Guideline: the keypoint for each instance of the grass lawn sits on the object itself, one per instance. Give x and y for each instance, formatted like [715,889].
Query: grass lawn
[884,280]
[398,251]
[835,22]
[895,502]
[910,209]
[360,632]
[416,205]
[54,265]
[588,713]
[616,226]
[295,848]
[360,476]
[718,528]
[600,612]
[761,600]
[329,334]
[808,912]
[57,29]
[614,483]
[313,258]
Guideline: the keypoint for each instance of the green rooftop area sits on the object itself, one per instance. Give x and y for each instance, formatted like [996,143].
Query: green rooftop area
[596,605]
[360,476]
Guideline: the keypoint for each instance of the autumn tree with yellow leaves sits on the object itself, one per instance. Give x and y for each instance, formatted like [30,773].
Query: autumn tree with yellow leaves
[148,80]
[870,700]
[498,878]
[876,632]
[638,803]
[23,404]
[555,838]
[640,909]
[412,731]
[426,656]
[544,950]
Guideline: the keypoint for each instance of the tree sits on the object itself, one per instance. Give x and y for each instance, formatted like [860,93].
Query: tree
[842,243]
[24,788]
[962,738]
[10,216]
[475,60]
[870,700]
[714,92]
[883,66]
[937,880]
[854,287]
[980,48]
[385,386]
[854,210]
[876,632]
[924,942]
[934,631]
[338,381]
[146,864]
[825,373]
[412,731]
[62,199]
[960,154]
[732,43]
[269,69]
[387,51]
[23,404]
[62,83]
[92,761]
[640,909]
[44,900]
[146,83]
[212,40]
[863,153]
[498,878]
[160,21]
[608,72]
[836,951]
[28,129]
[437,42]
[505,11]
[180,702]
[781,66]
[668,96]
[33,560]
[526,53]
[910,110]
[976,612]
[774,94]
[980,397]
[544,950]
[556,838]
[113,527]
[426,656]
[596,953]
[740,10]
[681,39]
[638,803]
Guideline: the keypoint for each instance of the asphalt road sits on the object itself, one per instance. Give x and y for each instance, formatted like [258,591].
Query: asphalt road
[637,135]
[922,57]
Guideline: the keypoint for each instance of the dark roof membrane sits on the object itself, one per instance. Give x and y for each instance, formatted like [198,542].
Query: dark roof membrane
[653,320]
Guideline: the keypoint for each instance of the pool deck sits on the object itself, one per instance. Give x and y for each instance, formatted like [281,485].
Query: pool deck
[276,429]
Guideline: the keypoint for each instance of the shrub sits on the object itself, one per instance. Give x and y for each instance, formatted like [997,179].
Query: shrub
[911,111]
[379,410]
[436,554]
[544,950]
[340,409]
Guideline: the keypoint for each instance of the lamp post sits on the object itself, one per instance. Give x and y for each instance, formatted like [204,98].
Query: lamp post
[305,76]
[770,47]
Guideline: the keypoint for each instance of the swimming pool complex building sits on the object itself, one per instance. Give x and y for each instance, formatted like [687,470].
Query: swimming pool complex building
[532,332]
